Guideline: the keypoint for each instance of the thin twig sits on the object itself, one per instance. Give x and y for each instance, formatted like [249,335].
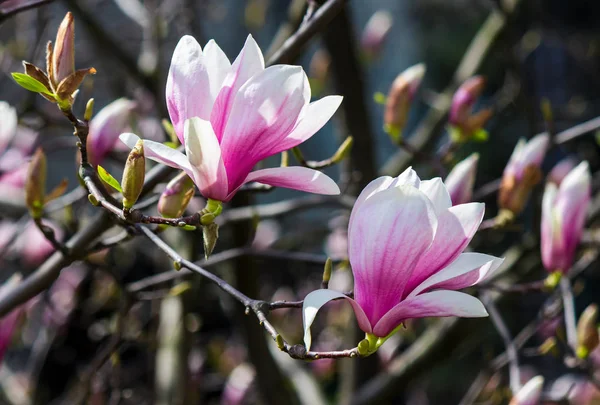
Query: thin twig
[569,312]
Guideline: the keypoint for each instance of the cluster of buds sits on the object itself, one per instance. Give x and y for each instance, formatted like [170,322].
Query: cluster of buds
[461,179]
[400,97]
[60,81]
[35,185]
[521,174]
[464,123]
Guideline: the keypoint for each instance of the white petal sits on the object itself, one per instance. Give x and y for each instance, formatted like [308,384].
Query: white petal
[160,153]
[437,193]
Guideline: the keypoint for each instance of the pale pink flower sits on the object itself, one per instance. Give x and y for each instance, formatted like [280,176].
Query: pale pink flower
[105,128]
[461,179]
[32,245]
[376,31]
[8,125]
[405,246]
[231,116]
[563,217]
[560,170]
[9,323]
[530,393]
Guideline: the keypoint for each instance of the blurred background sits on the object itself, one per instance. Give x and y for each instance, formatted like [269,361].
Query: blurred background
[196,346]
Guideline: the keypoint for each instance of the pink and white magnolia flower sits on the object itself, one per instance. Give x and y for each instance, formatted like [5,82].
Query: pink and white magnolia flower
[405,247]
[461,179]
[563,216]
[231,116]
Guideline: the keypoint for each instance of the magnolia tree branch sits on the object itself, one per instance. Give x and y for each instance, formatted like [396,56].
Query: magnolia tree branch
[9,8]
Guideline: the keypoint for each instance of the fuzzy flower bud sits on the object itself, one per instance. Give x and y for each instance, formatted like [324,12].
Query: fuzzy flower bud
[522,173]
[463,121]
[564,210]
[375,33]
[531,392]
[461,179]
[35,186]
[587,331]
[63,57]
[400,97]
[133,175]
[176,197]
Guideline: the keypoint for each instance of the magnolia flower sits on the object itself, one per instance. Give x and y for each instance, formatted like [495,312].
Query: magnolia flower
[405,244]
[461,179]
[522,172]
[563,217]
[560,170]
[531,392]
[231,116]
[105,128]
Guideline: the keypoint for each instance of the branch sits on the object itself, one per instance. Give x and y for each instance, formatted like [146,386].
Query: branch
[11,7]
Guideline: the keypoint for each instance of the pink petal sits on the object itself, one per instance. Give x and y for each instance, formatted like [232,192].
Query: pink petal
[456,227]
[436,303]
[204,154]
[389,232]
[313,117]
[461,179]
[194,81]
[248,63]
[316,299]
[437,193]
[8,118]
[551,241]
[407,177]
[297,178]
[468,269]
[264,112]
[160,153]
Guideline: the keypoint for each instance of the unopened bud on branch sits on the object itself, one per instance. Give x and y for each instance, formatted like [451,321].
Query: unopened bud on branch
[35,186]
[176,197]
[63,57]
[587,331]
[400,98]
[133,175]
[464,123]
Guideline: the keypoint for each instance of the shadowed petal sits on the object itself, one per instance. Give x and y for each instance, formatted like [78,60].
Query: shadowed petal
[389,232]
[203,152]
[456,228]
[297,178]
[436,303]
[316,299]
[468,269]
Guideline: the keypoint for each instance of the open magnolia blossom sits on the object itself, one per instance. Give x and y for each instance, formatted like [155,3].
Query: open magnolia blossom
[564,209]
[405,244]
[231,116]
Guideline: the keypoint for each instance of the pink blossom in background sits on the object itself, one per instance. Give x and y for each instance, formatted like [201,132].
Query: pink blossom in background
[229,117]
[376,32]
[461,179]
[564,211]
[32,245]
[530,393]
[405,248]
[526,154]
[8,125]
[9,322]
[105,128]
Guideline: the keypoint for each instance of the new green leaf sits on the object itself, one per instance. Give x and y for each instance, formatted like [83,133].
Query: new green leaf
[108,179]
[31,84]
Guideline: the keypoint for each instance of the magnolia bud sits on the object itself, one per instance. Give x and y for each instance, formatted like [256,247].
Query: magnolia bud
[176,197]
[531,392]
[464,122]
[375,32]
[63,56]
[400,97]
[133,175]
[587,331]
[522,173]
[35,186]
[461,179]
[210,235]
